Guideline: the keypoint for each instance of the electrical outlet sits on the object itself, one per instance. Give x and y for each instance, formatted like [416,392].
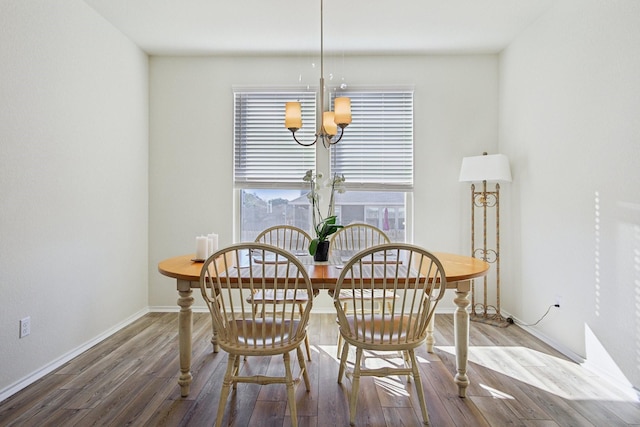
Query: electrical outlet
[25,327]
[558,301]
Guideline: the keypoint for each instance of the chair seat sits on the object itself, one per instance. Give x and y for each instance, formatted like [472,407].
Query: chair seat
[370,294]
[269,296]
[269,332]
[378,329]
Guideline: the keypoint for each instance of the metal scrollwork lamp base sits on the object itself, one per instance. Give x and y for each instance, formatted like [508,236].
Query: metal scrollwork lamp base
[486,168]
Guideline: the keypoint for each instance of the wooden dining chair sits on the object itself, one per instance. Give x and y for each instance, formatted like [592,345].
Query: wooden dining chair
[417,281]
[227,278]
[345,243]
[288,237]
[296,241]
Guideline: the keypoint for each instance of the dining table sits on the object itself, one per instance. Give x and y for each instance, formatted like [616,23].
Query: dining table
[460,270]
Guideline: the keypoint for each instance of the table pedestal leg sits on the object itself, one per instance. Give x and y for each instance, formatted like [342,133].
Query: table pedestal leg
[185,324]
[461,330]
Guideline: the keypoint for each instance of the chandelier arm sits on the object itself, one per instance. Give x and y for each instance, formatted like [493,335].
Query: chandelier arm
[302,143]
[339,137]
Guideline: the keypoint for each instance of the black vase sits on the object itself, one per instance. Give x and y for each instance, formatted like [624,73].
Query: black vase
[322,251]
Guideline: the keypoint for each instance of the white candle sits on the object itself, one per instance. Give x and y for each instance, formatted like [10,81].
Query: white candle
[201,247]
[213,243]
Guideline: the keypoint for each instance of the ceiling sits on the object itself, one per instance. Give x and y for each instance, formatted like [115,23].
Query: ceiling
[202,27]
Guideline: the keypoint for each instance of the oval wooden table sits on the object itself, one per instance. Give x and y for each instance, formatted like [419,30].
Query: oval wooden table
[459,270]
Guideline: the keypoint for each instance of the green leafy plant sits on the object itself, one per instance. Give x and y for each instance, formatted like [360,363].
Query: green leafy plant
[323,226]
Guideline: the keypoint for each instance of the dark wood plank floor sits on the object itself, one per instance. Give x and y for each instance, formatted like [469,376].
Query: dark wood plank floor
[131,379]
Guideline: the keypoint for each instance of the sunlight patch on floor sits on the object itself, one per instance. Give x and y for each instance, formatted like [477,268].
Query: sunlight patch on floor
[554,375]
[497,394]
[331,350]
[392,386]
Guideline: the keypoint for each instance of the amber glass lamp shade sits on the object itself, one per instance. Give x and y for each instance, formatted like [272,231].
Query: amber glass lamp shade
[329,124]
[293,115]
[342,111]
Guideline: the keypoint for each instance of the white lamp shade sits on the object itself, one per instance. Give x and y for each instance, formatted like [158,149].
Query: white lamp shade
[492,167]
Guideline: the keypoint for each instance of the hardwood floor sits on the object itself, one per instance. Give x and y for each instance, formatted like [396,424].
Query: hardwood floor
[131,379]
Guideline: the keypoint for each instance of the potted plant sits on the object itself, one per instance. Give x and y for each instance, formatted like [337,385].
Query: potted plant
[323,226]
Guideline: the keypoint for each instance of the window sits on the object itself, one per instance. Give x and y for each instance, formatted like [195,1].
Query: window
[375,155]
[268,164]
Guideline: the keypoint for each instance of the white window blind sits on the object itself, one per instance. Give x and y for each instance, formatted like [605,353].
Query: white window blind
[265,154]
[376,151]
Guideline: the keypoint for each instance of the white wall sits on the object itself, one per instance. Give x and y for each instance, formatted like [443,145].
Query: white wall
[569,120]
[191,141]
[73,181]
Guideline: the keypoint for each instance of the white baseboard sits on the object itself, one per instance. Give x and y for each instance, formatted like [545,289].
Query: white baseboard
[176,309]
[55,364]
[547,340]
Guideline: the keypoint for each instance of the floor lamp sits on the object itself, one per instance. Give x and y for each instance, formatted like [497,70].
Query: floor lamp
[493,169]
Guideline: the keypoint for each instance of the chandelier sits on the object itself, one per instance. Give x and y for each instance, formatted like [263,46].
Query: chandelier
[328,121]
